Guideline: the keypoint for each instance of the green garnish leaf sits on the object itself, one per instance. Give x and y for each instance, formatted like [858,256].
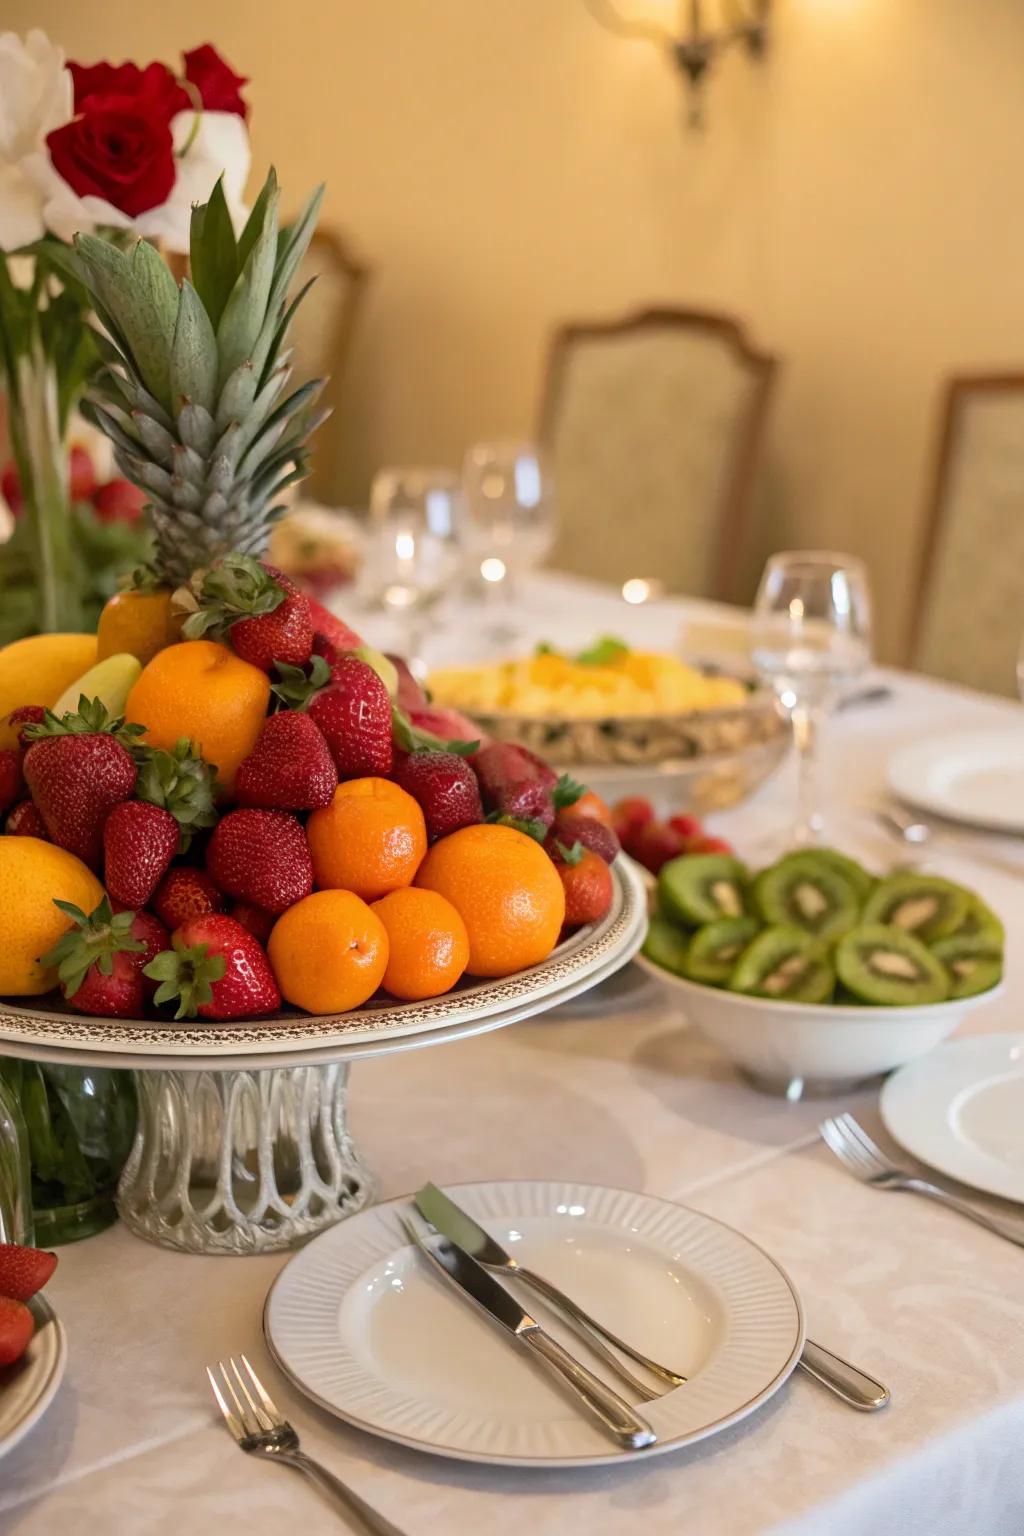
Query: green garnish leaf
[603,652]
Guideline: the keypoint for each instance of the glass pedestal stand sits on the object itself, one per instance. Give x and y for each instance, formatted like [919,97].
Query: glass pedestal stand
[240,1162]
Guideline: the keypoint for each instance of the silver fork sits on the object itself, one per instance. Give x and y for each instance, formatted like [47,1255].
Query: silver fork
[260,1428]
[866,1161]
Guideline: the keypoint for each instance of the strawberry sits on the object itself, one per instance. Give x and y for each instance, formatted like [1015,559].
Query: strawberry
[24,715]
[96,964]
[25,821]
[706,844]
[447,725]
[568,828]
[445,786]
[253,919]
[119,501]
[77,770]
[183,893]
[354,715]
[154,937]
[139,842]
[515,783]
[11,782]
[23,1271]
[290,768]
[629,815]
[653,844]
[183,783]
[262,857]
[216,970]
[16,1329]
[262,612]
[333,630]
[410,694]
[81,474]
[686,826]
[587,882]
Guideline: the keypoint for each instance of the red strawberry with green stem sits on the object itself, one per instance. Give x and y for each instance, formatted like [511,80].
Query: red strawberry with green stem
[569,829]
[516,783]
[77,770]
[184,893]
[446,788]
[253,919]
[16,1329]
[587,882]
[258,610]
[216,970]
[139,842]
[24,1271]
[181,782]
[96,962]
[353,713]
[290,768]
[262,857]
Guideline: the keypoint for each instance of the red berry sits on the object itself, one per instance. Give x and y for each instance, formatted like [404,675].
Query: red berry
[97,963]
[253,919]
[150,931]
[333,630]
[11,782]
[354,715]
[569,828]
[139,842]
[25,821]
[587,882]
[290,768]
[262,857]
[629,815]
[515,782]
[687,826]
[119,501]
[16,1329]
[446,788]
[654,844]
[81,474]
[217,970]
[708,845]
[76,780]
[24,1271]
[183,893]
[447,725]
[410,694]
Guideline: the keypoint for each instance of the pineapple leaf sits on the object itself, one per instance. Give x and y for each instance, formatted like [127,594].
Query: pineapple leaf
[245,312]
[193,365]
[147,308]
[292,247]
[256,221]
[213,253]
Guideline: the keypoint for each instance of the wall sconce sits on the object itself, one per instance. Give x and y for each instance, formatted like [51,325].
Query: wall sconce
[692,47]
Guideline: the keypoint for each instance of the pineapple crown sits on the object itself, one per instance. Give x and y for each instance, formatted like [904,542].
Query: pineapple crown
[92,939]
[180,781]
[193,396]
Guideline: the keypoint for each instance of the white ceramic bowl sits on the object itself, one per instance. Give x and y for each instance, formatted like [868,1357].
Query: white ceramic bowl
[812,1048]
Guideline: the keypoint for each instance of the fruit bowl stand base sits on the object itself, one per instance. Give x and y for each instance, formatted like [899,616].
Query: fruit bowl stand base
[242,1161]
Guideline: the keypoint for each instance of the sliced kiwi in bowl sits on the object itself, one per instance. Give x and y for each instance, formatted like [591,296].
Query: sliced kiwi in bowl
[855,875]
[885,965]
[785,963]
[667,945]
[806,891]
[699,888]
[922,905]
[980,919]
[973,960]
[715,949]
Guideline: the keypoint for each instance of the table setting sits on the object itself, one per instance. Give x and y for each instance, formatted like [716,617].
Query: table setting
[719,926]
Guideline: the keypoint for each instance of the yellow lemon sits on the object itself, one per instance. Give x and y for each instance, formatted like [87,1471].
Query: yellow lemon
[33,875]
[38,669]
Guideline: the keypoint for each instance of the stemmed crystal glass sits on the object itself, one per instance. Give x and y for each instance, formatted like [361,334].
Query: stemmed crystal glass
[413,552]
[810,638]
[510,520]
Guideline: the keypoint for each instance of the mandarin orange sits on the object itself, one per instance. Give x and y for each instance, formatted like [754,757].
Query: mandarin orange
[428,946]
[370,839]
[139,623]
[507,892]
[202,690]
[328,952]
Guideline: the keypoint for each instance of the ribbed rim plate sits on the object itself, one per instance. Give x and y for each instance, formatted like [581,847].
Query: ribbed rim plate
[362,1325]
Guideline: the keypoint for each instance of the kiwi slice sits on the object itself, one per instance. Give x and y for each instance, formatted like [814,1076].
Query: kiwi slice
[699,888]
[883,964]
[980,919]
[804,891]
[923,905]
[666,944]
[862,881]
[787,964]
[716,947]
[973,960]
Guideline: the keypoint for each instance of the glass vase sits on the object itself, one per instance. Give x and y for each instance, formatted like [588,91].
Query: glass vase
[80,1123]
[15,1185]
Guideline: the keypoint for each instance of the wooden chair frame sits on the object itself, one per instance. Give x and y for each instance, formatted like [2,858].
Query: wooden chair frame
[763,368]
[958,388]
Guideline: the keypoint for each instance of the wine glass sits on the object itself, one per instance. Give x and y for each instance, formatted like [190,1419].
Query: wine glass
[810,637]
[413,550]
[510,519]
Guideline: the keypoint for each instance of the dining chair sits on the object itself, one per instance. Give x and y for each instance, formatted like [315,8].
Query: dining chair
[653,424]
[969,612]
[321,335]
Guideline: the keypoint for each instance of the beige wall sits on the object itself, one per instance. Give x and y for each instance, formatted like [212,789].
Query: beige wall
[505,164]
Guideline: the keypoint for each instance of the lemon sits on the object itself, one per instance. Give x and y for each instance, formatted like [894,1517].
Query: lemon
[37,670]
[33,875]
[110,681]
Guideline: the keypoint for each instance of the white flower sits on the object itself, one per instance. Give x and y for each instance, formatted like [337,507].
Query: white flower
[36,96]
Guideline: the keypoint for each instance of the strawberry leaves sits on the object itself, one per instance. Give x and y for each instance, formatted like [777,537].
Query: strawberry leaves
[532,826]
[566,792]
[181,782]
[92,940]
[297,687]
[92,719]
[187,974]
[410,738]
[237,587]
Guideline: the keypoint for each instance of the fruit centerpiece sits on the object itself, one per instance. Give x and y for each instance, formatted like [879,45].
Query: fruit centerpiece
[226,808]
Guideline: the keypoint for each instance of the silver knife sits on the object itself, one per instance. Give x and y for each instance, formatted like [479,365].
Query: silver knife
[615,1414]
[449,1218]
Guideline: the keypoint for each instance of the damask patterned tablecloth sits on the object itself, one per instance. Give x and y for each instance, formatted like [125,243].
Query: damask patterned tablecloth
[612,1090]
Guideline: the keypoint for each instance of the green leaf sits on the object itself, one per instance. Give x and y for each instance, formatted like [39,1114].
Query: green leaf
[193,365]
[411,739]
[566,792]
[245,312]
[531,826]
[265,203]
[213,253]
[571,855]
[603,652]
[296,687]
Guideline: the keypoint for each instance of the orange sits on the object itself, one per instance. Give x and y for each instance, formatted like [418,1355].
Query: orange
[507,892]
[590,804]
[33,875]
[370,839]
[328,952]
[428,946]
[140,623]
[204,691]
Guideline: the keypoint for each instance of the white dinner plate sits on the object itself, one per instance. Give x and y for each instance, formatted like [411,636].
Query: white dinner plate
[29,1385]
[363,1325]
[976,778]
[961,1110]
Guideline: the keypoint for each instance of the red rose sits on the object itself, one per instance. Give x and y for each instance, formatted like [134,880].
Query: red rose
[118,148]
[155,82]
[215,80]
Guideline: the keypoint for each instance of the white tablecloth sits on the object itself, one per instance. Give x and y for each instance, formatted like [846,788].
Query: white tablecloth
[613,1090]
